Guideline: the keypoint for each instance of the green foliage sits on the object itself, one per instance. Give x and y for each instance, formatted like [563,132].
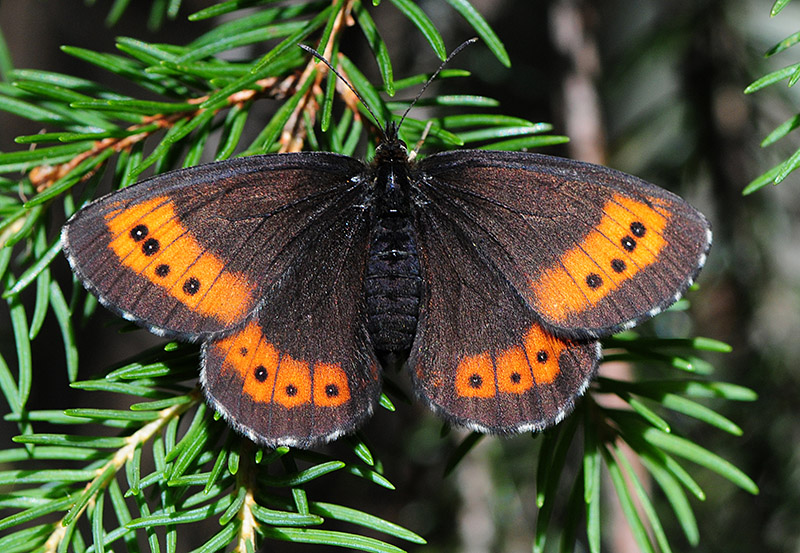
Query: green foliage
[602,435]
[160,10]
[779,172]
[115,475]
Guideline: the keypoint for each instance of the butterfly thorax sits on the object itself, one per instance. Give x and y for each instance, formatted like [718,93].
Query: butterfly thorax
[393,282]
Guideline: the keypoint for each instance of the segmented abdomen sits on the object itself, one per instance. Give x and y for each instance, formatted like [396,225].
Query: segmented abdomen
[393,285]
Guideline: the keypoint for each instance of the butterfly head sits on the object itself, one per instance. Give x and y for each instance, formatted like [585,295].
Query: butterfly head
[391,149]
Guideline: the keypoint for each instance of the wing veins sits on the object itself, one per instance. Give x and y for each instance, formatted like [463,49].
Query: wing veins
[499,244]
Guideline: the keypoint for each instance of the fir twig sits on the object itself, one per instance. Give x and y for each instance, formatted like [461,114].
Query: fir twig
[790,74]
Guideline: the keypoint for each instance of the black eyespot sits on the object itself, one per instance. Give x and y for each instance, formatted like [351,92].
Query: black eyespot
[191,286]
[516,377]
[331,390]
[638,229]
[261,373]
[542,356]
[162,270]
[594,281]
[628,243]
[243,351]
[475,381]
[150,247]
[618,265]
[291,390]
[139,232]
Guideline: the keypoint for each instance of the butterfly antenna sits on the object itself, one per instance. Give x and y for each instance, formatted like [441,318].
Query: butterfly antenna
[321,58]
[435,74]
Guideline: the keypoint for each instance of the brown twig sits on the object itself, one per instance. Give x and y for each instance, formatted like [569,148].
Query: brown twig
[295,131]
[292,137]
[44,176]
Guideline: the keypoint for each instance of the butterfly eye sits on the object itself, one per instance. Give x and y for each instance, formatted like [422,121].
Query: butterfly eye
[638,229]
[191,286]
[139,232]
[593,280]
[628,243]
[260,373]
[151,247]
[475,381]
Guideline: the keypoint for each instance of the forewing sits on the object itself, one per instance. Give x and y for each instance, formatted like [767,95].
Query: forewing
[480,358]
[303,371]
[193,252]
[591,250]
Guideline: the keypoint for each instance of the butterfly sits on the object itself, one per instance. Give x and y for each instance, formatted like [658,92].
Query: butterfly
[493,274]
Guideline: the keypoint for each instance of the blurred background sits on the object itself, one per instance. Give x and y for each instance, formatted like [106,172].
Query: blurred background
[650,88]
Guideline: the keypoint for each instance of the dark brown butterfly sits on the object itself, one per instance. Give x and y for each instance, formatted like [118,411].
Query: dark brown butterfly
[494,273]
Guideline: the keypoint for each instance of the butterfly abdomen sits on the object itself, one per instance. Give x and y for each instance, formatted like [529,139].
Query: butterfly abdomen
[392,285]
[392,282]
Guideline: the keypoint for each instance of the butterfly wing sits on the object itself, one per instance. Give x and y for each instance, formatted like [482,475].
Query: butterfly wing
[480,357]
[263,259]
[303,371]
[591,250]
[193,252]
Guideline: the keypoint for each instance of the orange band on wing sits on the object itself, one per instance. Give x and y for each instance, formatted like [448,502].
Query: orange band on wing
[512,371]
[149,239]
[269,376]
[543,352]
[475,376]
[628,238]
[293,383]
[330,385]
